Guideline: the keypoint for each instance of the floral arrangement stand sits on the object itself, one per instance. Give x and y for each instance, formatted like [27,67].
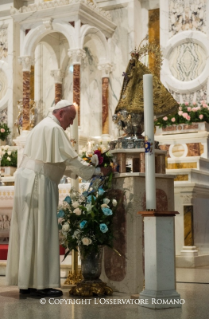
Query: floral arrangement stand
[85,221]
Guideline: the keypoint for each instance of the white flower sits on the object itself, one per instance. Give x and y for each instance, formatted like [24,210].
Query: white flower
[60,220]
[75,204]
[104,206]
[9,158]
[89,207]
[65,227]
[2,153]
[114,202]
[77,211]
[95,160]
[76,233]
[65,205]
[9,152]
[86,241]
[6,147]
[106,200]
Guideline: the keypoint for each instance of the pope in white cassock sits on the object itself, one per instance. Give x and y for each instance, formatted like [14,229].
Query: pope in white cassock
[33,258]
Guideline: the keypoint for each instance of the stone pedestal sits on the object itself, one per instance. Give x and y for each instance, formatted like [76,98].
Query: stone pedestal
[160,278]
[126,274]
[137,156]
[187,149]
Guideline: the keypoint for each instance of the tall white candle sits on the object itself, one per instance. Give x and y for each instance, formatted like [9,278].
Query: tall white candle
[74,136]
[149,136]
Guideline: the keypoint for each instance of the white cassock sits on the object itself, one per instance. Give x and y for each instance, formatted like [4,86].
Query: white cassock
[33,255]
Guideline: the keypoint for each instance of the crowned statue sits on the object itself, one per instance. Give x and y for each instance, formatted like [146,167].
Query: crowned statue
[129,113]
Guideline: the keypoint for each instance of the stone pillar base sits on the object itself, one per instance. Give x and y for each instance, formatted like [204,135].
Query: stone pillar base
[160,299]
[189,251]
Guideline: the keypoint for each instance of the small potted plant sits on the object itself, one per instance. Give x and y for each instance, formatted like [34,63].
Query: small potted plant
[8,160]
[4,131]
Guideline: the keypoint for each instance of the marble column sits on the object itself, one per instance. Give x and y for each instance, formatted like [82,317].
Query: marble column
[58,77]
[77,88]
[26,100]
[106,69]
[26,62]
[76,56]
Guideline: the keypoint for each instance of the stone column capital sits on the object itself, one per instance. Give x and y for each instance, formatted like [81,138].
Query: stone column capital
[26,62]
[106,69]
[57,75]
[76,55]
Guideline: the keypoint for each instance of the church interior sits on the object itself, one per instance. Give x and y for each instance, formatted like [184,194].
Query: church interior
[95,53]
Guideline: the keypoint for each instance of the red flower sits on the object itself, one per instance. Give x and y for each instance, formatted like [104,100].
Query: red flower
[100,158]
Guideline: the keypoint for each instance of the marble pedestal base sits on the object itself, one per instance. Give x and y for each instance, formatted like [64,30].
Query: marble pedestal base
[126,275]
[158,299]
[160,273]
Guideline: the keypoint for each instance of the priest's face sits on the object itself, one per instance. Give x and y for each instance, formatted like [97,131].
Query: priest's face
[67,116]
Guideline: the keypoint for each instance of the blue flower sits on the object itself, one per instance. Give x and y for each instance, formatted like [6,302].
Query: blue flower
[85,194]
[101,191]
[61,214]
[83,223]
[89,198]
[103,228]
[67,199]
[107,211]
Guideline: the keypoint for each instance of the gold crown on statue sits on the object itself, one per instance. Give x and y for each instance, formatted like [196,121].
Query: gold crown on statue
[135,54]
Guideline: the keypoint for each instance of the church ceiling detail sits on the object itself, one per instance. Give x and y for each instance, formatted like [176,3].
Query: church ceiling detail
[187,15]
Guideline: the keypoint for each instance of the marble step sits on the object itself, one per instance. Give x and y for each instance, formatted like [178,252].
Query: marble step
[189,175]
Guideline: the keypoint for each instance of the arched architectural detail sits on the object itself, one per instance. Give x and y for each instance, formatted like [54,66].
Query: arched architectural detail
[35,35]
[52,52]
[102,45]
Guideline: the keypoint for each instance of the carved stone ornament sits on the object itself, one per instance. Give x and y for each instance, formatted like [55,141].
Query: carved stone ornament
[48,23]
[106,69]
[55,3]
[76,55]
[26,62]
[57,75]
[3,41]
[187,199]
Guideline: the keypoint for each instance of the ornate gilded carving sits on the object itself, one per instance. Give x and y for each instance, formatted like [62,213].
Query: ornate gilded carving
[91,288]
[131,97]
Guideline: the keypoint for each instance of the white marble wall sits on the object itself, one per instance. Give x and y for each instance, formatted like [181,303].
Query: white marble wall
[184,40]
[119,50]
[91,92]
[10,71]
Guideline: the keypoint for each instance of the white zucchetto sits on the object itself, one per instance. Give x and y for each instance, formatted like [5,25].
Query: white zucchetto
[59,105]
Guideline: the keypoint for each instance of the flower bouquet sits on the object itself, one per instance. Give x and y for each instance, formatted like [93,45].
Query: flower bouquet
[8,156]
[187,113]
[4,131]
[98,157]
[86,220]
